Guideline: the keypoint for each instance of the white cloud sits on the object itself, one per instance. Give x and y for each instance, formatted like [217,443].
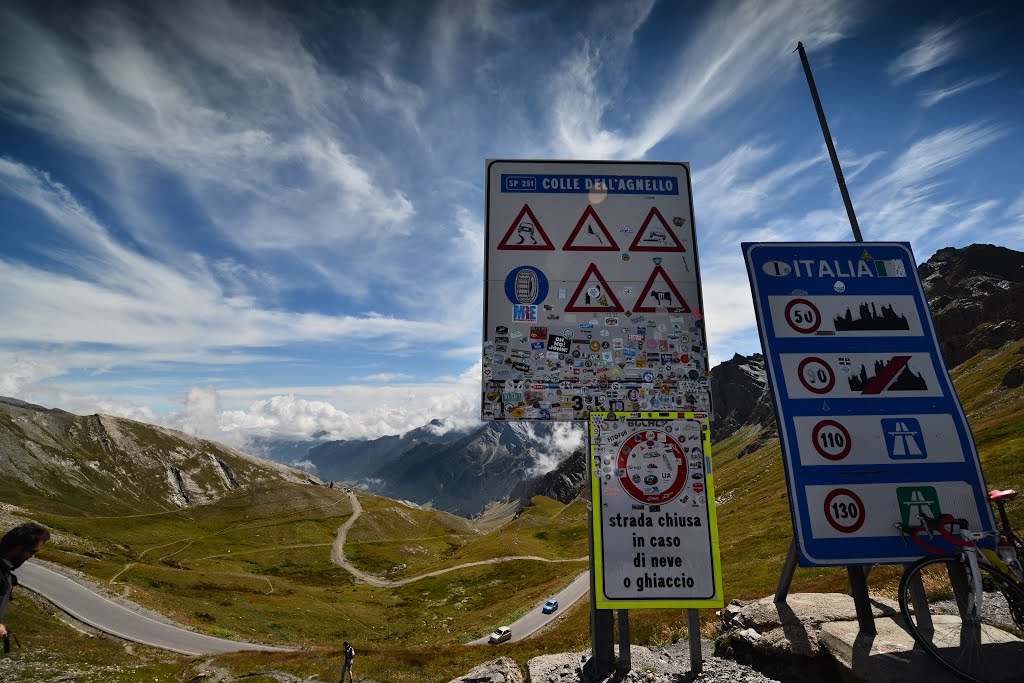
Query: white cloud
[747,182]
[930,98]
[349,411]
[387,377]
[1015,211]
[148,303]
[20,374]
[237,111]
[933,47]
[565,438]
[906,200]
[738,50]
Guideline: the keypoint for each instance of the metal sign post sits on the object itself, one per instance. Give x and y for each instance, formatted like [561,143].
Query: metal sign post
[625,661]
[602,629]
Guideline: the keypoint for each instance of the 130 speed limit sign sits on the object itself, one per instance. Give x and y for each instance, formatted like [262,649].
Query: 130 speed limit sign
[844,510]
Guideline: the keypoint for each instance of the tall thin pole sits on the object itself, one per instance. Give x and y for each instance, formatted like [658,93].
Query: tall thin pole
[828,141]
[602,621]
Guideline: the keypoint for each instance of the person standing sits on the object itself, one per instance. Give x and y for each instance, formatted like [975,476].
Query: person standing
[350,654]
[17,545]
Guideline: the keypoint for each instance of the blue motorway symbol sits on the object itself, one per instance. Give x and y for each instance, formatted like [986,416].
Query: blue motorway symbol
[903,439]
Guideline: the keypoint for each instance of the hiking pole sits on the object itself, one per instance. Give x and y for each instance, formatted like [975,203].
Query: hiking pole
[7,642]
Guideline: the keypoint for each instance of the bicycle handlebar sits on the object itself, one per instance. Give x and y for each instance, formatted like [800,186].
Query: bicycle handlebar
[933,524]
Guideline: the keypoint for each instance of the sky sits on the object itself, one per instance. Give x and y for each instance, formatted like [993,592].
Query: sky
[267,219]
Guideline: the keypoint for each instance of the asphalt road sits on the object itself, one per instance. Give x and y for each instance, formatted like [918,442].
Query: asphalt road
[533,620]
[99,612]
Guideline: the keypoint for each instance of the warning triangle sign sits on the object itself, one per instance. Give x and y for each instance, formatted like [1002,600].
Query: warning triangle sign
[526,233]
[593,295]
[656,235]
[590,234]
[665,297]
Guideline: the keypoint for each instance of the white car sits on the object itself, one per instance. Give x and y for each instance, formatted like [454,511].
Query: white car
[500,636]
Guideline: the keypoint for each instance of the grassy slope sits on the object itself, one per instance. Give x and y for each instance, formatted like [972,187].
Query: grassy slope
[412,633]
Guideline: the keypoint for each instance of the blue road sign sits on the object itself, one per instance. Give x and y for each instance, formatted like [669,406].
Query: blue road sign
[904,439]
[872,430]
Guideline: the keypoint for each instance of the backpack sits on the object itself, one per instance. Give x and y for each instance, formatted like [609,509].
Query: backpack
[350,652]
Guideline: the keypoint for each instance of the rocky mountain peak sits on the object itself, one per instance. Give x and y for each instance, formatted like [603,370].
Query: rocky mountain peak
[101,463]
[739,394]
[976,295]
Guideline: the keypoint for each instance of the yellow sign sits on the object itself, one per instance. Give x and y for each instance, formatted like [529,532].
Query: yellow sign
[655,526]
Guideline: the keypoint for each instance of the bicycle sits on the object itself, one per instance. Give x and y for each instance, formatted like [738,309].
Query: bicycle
[966,608]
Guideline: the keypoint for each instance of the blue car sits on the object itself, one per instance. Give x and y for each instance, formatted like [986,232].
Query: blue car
[550,606]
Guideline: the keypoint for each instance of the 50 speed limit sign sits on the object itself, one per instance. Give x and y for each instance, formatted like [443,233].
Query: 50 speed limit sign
[803,316]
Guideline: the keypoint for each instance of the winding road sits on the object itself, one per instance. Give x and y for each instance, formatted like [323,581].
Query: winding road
[338,557]
[522,628]
[82,601]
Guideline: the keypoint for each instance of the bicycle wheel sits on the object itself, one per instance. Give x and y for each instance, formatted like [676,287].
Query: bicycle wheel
[986,648]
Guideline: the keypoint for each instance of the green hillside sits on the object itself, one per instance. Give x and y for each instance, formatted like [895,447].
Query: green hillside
[256,563]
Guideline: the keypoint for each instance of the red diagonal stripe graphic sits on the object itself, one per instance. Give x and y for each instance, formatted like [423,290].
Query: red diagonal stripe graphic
[888,373]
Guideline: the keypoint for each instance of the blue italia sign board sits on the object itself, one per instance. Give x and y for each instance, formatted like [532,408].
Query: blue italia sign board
[872,430]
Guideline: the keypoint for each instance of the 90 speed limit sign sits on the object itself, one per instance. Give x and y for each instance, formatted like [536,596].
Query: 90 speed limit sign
[816,375]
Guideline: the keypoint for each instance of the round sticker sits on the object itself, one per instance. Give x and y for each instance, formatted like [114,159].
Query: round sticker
[665,470]
[776,268]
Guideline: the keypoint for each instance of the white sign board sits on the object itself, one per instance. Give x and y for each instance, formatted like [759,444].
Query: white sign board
[655,529]
[592,294]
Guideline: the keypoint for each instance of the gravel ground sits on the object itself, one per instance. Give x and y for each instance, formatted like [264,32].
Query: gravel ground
[670,664]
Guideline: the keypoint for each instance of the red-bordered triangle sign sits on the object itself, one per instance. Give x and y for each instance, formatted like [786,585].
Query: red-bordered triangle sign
[603,301]
[526,233]
[650,299]
[593,239]
[656,235]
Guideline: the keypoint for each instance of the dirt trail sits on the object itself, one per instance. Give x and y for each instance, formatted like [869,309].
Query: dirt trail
[338,556]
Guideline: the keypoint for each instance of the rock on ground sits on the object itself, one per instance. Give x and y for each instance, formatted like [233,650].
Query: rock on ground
[670,664]
[501,670]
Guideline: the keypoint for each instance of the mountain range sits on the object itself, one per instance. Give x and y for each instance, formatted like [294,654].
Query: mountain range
[976,295]
[112,464]
[54,461]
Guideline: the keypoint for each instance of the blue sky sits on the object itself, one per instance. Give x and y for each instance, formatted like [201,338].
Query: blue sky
[239,218]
